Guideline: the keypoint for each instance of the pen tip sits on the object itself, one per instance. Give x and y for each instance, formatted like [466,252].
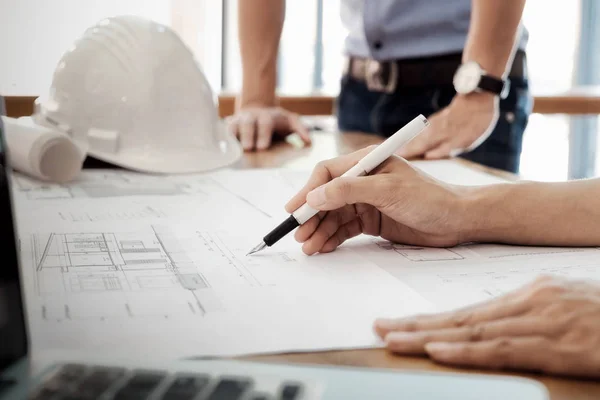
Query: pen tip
[256,249]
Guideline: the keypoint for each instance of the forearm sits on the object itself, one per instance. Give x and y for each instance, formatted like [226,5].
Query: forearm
[535,213]
[260,23]
[493,33]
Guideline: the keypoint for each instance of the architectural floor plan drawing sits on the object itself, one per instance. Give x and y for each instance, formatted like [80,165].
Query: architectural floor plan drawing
[72,265]
[168,271]
[419,253]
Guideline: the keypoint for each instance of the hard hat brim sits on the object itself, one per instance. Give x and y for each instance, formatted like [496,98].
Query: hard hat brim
[177,161]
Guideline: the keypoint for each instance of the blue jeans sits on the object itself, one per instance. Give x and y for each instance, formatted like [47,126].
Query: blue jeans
[359,109]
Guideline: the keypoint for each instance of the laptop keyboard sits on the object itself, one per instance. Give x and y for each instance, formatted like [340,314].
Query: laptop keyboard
[83,382]
[186,387]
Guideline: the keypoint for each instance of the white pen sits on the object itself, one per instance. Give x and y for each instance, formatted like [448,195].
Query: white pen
[368,163]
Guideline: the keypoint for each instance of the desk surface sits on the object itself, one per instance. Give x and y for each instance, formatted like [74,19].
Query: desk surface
[327,145]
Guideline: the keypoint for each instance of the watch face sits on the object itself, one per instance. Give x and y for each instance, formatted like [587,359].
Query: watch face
[467,77]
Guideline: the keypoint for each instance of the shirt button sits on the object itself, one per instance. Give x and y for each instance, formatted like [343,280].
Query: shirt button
[378,45]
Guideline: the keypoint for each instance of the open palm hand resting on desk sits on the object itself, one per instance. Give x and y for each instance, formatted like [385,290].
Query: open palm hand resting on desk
[551,325]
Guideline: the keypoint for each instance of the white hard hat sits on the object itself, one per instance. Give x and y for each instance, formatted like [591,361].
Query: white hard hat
[131,93]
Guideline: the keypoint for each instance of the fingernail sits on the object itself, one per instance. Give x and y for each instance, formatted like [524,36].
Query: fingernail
[438,347]
[316,197]
[306,251]
[297,237]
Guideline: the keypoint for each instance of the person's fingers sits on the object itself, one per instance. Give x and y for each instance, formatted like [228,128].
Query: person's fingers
[305,230]
[414,342]
[233,126]
[299,127]
[508,305]
[327,228]
[376,190]
[443,150]
[265,127]
[345,232]
[421,144]
[365,219]
[527,353]
[492,310]
[323,173]
[247,127]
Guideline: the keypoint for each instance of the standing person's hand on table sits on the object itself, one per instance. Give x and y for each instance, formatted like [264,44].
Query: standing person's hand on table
[458,128]
[258,118]
[256,125]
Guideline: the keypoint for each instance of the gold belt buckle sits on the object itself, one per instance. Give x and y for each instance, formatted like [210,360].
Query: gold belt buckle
[374,76]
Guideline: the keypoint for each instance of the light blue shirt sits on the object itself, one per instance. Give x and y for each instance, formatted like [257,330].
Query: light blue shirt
[399,29]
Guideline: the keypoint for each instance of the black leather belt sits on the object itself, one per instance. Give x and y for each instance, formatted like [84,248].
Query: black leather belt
[389,76]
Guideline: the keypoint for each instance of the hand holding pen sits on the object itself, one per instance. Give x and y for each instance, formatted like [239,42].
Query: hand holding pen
[363,167]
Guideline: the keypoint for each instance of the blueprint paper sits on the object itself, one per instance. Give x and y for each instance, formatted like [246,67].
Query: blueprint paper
[192,292]
[460,276]
[127,262]
[118,261]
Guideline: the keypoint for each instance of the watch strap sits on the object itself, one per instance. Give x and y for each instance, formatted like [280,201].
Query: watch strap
[491,84]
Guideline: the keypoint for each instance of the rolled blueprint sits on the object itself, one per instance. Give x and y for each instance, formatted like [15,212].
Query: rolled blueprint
[41,152]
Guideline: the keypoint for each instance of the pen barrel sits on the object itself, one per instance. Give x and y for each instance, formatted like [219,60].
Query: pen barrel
[282,229]
[304,213]
[356,171]
[392,144]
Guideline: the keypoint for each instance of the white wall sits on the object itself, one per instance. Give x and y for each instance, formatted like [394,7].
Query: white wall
[35,33]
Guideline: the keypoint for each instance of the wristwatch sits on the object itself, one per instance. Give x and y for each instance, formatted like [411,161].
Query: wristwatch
[470,77]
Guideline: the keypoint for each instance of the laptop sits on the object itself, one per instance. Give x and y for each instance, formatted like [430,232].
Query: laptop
[80,375]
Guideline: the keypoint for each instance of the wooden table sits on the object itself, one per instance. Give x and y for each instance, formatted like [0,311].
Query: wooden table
[579,100]
[327,145]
